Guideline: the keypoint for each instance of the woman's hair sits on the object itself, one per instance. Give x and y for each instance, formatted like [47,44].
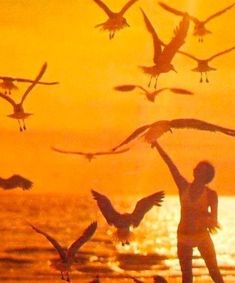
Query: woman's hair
[204,171]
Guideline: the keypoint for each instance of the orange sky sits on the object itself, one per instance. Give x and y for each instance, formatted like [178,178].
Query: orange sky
[84,112]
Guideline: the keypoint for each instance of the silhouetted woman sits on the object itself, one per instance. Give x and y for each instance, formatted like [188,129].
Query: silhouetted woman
[198,217]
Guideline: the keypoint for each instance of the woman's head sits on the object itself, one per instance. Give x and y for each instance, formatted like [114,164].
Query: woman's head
[204,172]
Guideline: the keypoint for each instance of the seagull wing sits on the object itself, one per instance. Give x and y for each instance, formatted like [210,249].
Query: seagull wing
[144,205]
[127,6]
[106,208]
[177,41]
[218,13]
[54,243]
[200,125]
[221,53]
[134,135]
[188,55]
[104,7]
[176,12]
[7,98]
[16,181]
[180,91]
[68,151]
[40,74]
[21,80]
[87,234]
[111,152]
[156,41]
[129,87]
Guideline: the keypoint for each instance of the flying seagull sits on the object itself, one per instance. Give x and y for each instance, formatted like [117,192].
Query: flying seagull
[67,256]
[116,21]
[163,56]
[156,279]
[8,83]
[151,95]
[18,110]
[203,64]
[200,29]
[15,181]
[89,155]
[152,132]
[123,222]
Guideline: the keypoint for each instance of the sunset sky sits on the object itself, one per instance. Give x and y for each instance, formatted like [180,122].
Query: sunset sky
[84,113]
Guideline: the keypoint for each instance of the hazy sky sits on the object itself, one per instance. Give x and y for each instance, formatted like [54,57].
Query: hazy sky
[84,112]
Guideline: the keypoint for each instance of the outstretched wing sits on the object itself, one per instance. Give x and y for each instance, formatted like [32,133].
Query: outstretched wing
[68,151]
[16,181]
[87,234]
[188,55]
[176,12]
[127,6]
[104,7]
[180,91]
[129,87]
[106,208]
[111,152]
[37,79]
[7,98]
[54,243]
[218,13]
[200,125]
[134,135]
[144,205]
[156,41]
[177,41]
[20,80]
[221,53]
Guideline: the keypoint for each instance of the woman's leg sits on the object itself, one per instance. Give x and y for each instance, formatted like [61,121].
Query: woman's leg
[185,254]
[207,251]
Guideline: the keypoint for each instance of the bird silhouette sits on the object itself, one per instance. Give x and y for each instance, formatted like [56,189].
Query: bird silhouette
[89,155]
[18,110]
[116,21]
[8,84]
[156,279]
[152,132]
[200,29]
[203,64]
[151,95]
[163,56]
[15,181]
[123,222]
[67,256]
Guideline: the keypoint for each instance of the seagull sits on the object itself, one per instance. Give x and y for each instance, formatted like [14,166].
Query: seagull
[89,155]
[151,95]
[123,222]
[163,57]
[156,279]
[8,83]
[200,29]
[18,110]
[15,181]
[67,256]
[116,21]
[203,64]
[152,132]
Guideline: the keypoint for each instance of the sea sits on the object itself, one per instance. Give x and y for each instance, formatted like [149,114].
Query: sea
[26,256]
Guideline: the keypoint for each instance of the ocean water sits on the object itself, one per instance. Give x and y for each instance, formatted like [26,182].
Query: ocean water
[25,256]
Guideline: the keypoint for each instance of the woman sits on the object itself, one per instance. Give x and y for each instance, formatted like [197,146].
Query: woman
[198,217]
